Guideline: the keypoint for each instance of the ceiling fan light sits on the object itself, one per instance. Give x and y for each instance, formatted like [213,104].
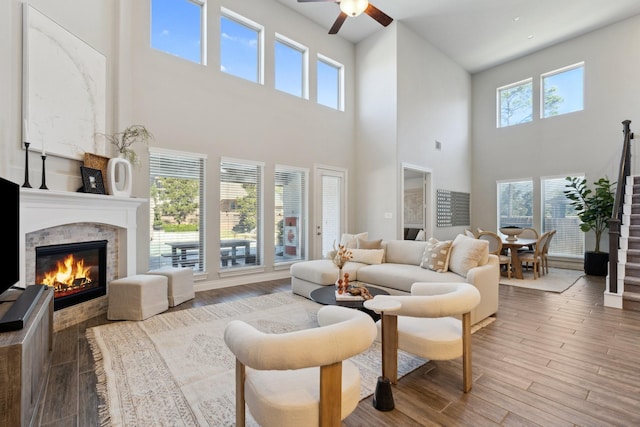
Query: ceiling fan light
[353,7]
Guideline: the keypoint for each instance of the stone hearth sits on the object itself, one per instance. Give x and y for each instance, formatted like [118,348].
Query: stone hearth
[53,217]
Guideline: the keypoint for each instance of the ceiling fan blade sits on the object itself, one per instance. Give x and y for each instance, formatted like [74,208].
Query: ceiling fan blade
[378,15]
[339,21]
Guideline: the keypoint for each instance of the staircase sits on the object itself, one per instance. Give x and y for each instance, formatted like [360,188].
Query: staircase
[631,294]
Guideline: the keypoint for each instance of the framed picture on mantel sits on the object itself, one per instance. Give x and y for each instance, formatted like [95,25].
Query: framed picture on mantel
[92,181]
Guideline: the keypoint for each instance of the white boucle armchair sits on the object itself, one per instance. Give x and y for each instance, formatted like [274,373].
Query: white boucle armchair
[300,378]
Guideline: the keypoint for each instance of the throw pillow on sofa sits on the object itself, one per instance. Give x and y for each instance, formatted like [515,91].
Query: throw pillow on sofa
[467,253]
[436,255]
[350,241]
[367,256]
[369,244]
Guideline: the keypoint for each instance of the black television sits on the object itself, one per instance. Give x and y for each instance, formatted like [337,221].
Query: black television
[16,316]
[10,194]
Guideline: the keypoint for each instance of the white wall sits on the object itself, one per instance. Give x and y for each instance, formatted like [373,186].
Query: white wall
[588,141]
[409,95]
[376,141]
[434,103]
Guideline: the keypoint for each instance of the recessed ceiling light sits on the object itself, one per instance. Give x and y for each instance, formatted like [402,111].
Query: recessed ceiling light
[530,36]
[516,19]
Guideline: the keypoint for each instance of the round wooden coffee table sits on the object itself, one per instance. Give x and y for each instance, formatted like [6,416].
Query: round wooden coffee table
[326,295]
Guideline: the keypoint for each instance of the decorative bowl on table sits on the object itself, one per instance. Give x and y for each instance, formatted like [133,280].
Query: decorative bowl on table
[511,232]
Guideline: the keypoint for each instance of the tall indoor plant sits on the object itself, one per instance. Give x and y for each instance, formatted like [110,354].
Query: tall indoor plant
[594,208]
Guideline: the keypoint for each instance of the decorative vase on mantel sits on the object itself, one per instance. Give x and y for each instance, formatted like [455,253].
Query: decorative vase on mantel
[119,176]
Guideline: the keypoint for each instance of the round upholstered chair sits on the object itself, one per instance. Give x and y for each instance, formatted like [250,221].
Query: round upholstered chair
[427,326]
[300,378]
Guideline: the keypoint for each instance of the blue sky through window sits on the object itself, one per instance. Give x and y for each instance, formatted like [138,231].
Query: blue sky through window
[328,84]
[289,69]
[238,49]
[176,28]
[570,86]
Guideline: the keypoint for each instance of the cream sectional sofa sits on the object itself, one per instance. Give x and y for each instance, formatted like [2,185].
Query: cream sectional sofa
[403,265]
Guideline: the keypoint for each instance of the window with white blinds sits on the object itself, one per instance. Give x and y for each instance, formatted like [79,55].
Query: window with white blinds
[176,209]
[241,193]
[515,203]
[559,215]
[290,213]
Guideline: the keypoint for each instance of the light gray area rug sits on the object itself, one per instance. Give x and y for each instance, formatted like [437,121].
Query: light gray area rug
[557,280]
[175,369]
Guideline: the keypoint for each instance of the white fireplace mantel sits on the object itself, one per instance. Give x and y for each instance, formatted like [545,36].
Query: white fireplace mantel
[41,209]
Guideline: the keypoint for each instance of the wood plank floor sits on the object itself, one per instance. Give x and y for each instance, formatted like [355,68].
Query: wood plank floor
[548,359]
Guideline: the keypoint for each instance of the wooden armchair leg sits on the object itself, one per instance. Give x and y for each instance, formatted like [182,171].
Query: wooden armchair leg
[240,378]
[467,377]
[331,395]
[390,347]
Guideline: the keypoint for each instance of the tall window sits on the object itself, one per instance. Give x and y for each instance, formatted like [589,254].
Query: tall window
[330,75]
[177,28]
[515,103]
[290,213]
[515,203]
[240,213]
[559,215]
[241,46]
[176,209]
[291,67]
[563,91]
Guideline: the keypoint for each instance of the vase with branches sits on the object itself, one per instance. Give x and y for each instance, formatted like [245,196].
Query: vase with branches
[343,254]
[124,141]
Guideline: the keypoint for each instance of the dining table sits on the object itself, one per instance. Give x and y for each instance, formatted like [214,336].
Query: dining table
[513,246]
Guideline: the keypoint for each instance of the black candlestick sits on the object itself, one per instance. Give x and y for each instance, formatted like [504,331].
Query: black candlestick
[44,178]
[26,166]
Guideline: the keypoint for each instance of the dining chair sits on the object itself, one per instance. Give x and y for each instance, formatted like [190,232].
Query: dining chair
[300,378]
[535,257]
[545,251]
[495,247]
[468,232]
[528,233]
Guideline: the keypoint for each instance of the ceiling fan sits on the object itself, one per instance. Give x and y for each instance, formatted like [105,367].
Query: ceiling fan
[354,8]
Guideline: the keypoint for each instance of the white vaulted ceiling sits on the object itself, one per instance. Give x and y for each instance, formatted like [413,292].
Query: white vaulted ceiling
[479,34]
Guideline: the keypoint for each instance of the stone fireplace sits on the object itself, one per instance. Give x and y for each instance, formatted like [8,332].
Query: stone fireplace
[55,218]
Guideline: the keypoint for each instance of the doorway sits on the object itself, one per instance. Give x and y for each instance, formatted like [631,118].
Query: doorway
[330,210]
[416,198]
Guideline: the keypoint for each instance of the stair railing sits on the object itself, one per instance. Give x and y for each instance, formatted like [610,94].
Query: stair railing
[616,215]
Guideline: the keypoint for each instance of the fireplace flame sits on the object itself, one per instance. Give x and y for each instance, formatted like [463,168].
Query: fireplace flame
[69,273]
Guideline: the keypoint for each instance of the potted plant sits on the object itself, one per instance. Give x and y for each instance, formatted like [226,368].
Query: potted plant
[593,207]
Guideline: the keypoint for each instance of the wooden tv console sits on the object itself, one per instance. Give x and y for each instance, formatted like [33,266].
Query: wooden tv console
[25,358]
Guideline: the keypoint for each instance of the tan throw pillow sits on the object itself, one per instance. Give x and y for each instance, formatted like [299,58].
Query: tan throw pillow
[367,256]
[467,253]
[436,255]
[350,241]
[369,244]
